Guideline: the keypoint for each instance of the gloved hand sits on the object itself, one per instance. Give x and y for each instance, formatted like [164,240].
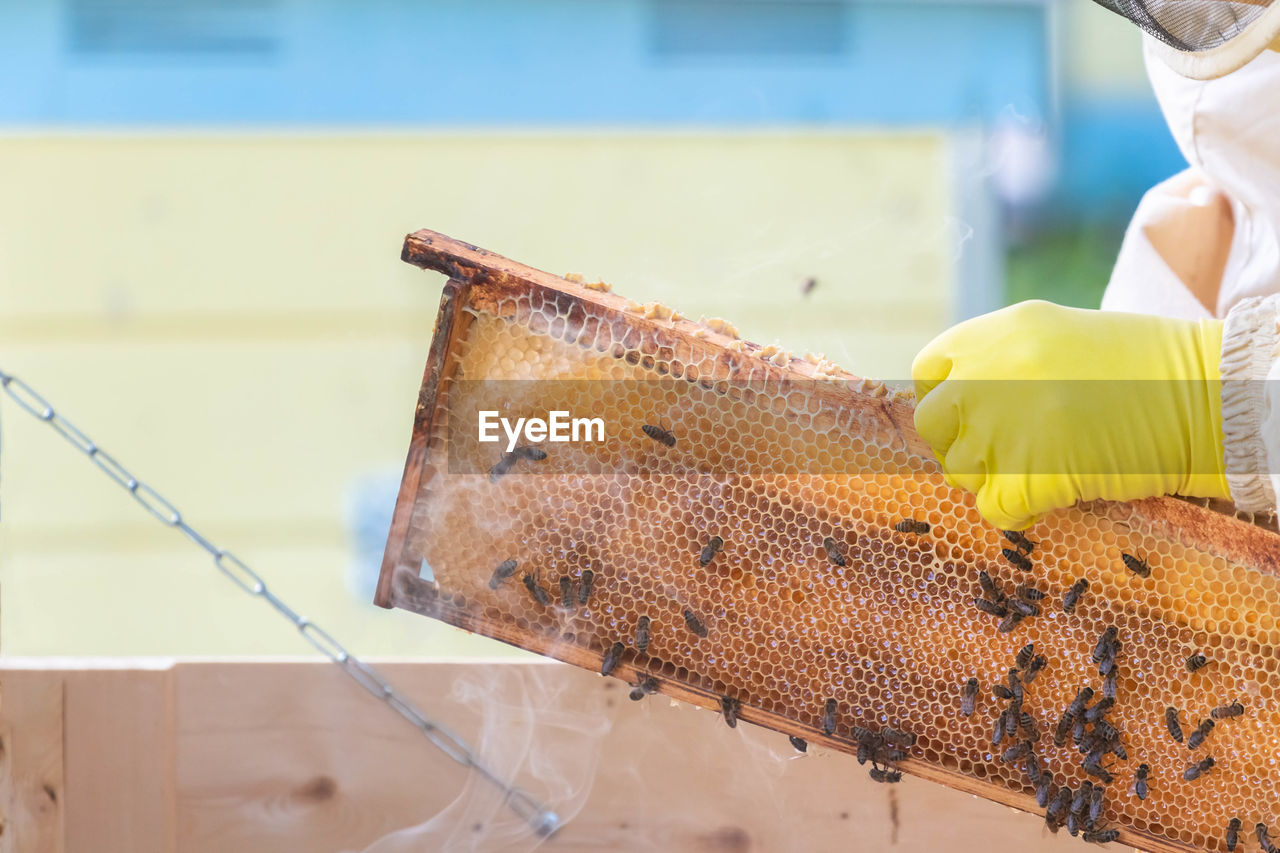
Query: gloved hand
[1072,413]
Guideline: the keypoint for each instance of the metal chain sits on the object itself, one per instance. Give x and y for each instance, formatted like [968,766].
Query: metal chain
[543,820]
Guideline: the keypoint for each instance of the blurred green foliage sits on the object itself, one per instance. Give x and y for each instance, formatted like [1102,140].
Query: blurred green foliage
[1069,265]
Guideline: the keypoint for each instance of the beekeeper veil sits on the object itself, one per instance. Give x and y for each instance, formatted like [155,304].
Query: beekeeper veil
[1204,38]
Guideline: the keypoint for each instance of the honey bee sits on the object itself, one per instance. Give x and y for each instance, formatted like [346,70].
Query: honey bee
[886,775]
[989,588]
[807,286]
[1028,593]
[1025,655]
[645,686]
[1195,771]
[1025,608]
[1015,684]
[1080,799]
[1100,836]
[1080,735]
[998,730]
[1073,824]
[991,607]
[539,594]
[1109,684]
[1202,731]
[1077,704]
[713,546]
[1264,838]
[899,737]
[1105,652]
[1044,786]
[1095,769]
[584,586]
[1072,596]
[1009,622]
[1225,712]
[833,552]
[642,634]
[1058,805]
[970,696]
[912,525]
[1233,834]
[1001,692]
[1099,710]
[501,468]
[1063,729]
[694,624]
[1028,725]
[1196,662]
[1172,724]
[800,744]
[1267,845]
[829,717]
[659,434]
[1038,663]
[505,569]
[730,707]
[1095,803]
[1140,781]
[1138,567]
[1016,558]
[1019,540]
[611,658]
[1103,647]
[868,744]
[1091,745]
[508,460]
[566,593]
[1017,752]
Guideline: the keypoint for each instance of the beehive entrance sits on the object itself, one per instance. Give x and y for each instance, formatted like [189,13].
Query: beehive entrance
[776,457]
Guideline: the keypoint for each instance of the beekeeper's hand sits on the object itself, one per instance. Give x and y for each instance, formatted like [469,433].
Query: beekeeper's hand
[1037,406]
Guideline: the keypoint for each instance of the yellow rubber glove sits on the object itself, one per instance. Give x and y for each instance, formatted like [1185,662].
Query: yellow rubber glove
[1037,406]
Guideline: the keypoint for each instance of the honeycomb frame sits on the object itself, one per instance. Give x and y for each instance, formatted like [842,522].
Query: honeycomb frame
[893,636]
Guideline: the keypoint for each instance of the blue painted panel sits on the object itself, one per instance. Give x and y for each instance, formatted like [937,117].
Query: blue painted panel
[1112,153]
[503,62]
[713,28]
[175,27]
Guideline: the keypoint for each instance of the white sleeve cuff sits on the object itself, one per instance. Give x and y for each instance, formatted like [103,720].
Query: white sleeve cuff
[1249,343]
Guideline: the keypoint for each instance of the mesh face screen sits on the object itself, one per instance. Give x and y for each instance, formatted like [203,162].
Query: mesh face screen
[1190,25]
[833,607]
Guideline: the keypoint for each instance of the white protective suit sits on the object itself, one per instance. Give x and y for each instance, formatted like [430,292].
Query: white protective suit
[1206,243]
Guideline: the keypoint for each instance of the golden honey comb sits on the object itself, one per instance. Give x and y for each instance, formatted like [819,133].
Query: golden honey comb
[777,455]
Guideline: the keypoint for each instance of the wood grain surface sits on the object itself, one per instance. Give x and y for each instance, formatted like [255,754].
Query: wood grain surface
[269,756]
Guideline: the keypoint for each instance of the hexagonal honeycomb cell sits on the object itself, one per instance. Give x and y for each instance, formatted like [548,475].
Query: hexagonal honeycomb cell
[848,570]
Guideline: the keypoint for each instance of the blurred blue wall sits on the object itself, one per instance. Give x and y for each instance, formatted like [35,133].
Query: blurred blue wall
[1112,150]
[532,62]
[628,63]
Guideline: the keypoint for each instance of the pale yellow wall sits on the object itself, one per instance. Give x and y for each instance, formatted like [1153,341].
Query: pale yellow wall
[229,315]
